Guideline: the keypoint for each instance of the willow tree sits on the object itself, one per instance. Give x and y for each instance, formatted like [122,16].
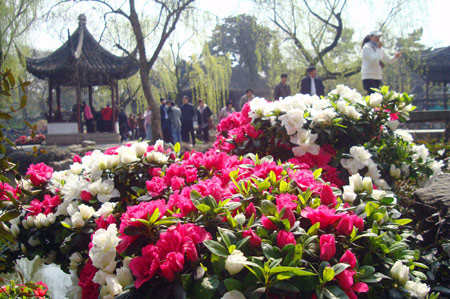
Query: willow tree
[170,13]
[210,79]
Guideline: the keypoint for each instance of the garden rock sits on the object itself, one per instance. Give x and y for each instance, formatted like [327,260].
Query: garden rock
[434,199]
[87,143]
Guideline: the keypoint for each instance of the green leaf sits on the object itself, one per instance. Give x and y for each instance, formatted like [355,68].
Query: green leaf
[334,292]
[402,221]
[268,208]
[203,208]
[242,242]
[4,115]
[66,225]
[154,216]
[312,230]
[9,215]
[177,147]
[270,251]
[294,270]
[224,236]
[233,284]
[264,185]
[317,173]
[328,274]
[338,268]
[216,248]
[284,186]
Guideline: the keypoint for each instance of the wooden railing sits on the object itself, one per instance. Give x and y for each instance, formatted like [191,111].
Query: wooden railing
[442,116]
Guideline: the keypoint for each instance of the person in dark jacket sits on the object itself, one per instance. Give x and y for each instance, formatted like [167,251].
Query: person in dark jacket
[204,115]
[166,124]
[312,84]
[123,125]
[283,89]
[188,114]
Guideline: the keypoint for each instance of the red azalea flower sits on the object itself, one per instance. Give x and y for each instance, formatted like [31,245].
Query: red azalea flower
[39,173]
[76,159]
[144,267]
[85,196]
[285,238]
[191,175]
[267,223]
[327,196]
[349,258]
[174,263]
[89,289]
[255,240]
[327,247]
[50,203]
[322,214]
[250,210]
[156,186]
[287,201]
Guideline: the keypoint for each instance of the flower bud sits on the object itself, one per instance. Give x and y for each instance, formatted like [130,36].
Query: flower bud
[395,172]
[25,224]
[15,230]
[240,219]
[400,272]
[51,218]
[124,276]
[234,294]
[30,221]
[77,220]
[349,194]
[357,183]
[141,148]
[368,185]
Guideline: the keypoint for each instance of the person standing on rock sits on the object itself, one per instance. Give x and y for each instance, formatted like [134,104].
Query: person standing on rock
[373,59]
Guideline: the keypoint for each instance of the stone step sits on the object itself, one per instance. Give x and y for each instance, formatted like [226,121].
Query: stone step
[66,139]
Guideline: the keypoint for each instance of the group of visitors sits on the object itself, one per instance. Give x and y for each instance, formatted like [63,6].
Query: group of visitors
[177,123]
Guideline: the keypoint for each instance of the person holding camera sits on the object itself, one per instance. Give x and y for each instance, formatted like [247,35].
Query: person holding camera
[373,59]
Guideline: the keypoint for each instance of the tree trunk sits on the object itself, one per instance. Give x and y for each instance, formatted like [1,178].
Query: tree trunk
[144,72]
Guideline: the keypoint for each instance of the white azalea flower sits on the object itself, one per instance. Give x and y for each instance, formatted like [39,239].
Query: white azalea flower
[352,165]
[140,148]
[375,99]
[292,121]
[400,272]
[356,182]
[124,276]
[76,168]
[368,185]
[15,230]
[395,172]
[234,263]
[349,194]
[75,260]
[234,294]
[103,252]
[379,194]
[159,143]
[106,209]
[86,211]
[323,115]
[77,220]
[420,152]
[351,112]
[417,289]
[104,189]
[127,155]
[157,157]
[360,154]
[393,125]
[404,135]
[257,108]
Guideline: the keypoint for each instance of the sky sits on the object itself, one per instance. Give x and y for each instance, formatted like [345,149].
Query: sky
[431,15]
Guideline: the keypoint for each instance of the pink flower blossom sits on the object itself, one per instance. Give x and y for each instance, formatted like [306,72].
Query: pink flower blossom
[285,238]
[85,196]
[255,240]
[267,223]
[250,210]
[145,267]
[286,200]
[349,258]
[174,263]
[50,203]
[327,196]
[89,289]
[345,226]
[39,173]
[322,214]
[327,247]
[76,159]
[156,186]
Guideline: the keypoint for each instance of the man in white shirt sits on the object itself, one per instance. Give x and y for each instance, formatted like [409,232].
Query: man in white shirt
[373,59]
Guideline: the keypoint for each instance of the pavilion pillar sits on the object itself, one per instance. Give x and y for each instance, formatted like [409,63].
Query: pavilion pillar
[426,94]
[58,102]
[113,116]
[50,101]
[116,104]
[90,96]
[445,95]
[78,95]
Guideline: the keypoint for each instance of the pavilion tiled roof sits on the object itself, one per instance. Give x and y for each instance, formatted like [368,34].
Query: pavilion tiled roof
[436,65]
[82,58]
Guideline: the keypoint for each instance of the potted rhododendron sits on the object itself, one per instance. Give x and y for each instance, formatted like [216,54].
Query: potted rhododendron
[294,201]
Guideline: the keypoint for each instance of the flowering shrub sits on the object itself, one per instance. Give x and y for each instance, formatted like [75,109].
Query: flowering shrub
[141,220]
[343,133]
[23,140]
[31,289]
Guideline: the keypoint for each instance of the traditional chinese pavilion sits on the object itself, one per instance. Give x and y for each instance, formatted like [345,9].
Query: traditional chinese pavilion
[81,62]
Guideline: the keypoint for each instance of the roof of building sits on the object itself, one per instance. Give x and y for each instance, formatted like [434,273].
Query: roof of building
[82,58]
[436,65]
